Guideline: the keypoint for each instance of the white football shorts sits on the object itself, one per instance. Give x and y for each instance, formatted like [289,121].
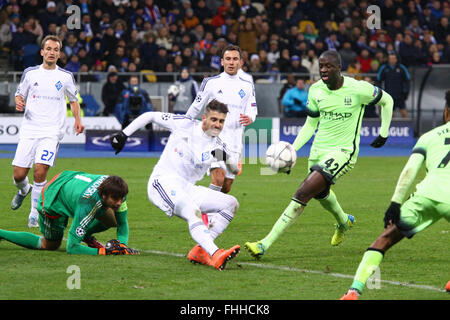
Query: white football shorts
[39,150]
[166,192]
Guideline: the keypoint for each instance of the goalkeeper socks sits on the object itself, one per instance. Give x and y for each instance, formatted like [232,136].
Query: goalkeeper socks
[369,263]
[24,239]
[35,194]
[23,186]
[290,214]
[331,204]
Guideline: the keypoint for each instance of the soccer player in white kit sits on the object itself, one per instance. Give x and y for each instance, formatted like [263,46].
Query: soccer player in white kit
[41,95]
[192,146]
[235,89]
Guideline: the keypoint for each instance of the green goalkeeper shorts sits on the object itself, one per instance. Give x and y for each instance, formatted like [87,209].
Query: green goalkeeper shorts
[332,164]
[52,229]
[418,213]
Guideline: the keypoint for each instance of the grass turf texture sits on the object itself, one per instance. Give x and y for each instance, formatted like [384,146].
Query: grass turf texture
[163,272]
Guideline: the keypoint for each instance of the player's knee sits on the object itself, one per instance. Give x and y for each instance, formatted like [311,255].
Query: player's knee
[232,204]
[50,245]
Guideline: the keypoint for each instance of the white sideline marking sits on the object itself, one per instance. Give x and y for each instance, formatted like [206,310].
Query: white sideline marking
[284,268]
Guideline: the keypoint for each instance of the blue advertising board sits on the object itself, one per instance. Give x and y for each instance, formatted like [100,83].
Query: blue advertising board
[99,140]
[401,132]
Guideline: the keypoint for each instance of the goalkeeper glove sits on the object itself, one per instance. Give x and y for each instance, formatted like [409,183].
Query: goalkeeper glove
[118,141]
[392,214]
[378,142]
[230,162]
[114,247]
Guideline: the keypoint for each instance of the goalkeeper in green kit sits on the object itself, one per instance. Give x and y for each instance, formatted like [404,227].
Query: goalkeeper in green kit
[336,105]
[427,205]
[94,202]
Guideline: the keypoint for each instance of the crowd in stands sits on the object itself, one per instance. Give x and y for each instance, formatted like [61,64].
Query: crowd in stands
[276,36]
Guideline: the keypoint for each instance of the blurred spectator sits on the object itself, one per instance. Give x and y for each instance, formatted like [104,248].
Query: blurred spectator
[365,59]
[354,68]
[182,93]
[296,67]
[132,102]
[74,64]
[409,54]
[311,62]
[289,83]
[255,65]
[203,12]
[284,61]
[394,78]
[442,30]
[247,33]
[347,54]
[294,101]
[190,20]
[164,39]
[111,92]
[149,51]
[50,16]
[274,52]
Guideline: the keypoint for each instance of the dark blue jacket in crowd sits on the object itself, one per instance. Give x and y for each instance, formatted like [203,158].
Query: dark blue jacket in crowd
[133,102]
[394,80]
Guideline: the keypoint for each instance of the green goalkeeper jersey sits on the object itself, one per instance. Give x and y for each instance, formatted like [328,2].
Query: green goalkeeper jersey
[435,147]
[340,113]
[74,195]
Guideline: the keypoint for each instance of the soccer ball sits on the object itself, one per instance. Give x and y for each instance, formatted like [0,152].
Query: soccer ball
[173,90]
[281,156]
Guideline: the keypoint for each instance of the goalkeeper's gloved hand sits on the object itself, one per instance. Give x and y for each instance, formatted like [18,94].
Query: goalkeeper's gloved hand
[378,142]
[114,247]
[392,214]
[118,141]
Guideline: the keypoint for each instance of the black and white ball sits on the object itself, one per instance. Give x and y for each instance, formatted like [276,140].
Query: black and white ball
[281,156]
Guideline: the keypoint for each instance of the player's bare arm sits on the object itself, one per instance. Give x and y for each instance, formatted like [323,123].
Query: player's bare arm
[75,107]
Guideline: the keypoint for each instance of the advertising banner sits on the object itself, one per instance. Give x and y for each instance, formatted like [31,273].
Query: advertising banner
[99,140]
[400,132]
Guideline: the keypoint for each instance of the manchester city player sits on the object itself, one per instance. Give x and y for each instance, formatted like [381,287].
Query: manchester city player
[336,103]
[427,205]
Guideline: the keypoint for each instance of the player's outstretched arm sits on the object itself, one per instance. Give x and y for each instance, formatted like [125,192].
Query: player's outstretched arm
[306,132]
[387,105]
[404,183]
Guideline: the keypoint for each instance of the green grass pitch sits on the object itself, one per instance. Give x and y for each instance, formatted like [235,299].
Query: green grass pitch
[301,265]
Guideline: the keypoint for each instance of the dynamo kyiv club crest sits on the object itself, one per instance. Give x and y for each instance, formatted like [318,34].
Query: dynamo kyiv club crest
[58,85]
[241,93]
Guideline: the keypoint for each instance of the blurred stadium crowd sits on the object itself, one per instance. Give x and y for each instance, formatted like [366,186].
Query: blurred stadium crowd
[276,36]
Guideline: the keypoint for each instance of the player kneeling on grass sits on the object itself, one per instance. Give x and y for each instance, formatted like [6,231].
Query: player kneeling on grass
[94,202]
[188,154]
[427,205]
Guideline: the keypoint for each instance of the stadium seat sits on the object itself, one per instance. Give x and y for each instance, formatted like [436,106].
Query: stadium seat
[29,54]
[92,107]
[302,25]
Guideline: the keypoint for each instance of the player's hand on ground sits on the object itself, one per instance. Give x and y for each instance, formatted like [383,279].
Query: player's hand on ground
[378,142]
[118,141]
[114,247]
[392,214]
[20,103]
[245,120]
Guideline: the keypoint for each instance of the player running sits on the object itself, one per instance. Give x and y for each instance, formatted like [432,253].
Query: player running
[236,90]
[41,94]
[336,102]
[427,205]
[93,202]
[188,154]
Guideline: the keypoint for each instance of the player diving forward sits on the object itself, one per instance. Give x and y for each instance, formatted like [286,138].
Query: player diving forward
[234,88]
[188,154]
[427,205]
[94,202]
[336,103]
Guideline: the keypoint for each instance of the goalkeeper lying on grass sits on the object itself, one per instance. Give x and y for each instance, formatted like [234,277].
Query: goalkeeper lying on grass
[94,202]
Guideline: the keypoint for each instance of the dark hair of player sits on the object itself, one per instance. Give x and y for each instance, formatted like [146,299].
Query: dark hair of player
[334,54]
[232,47]
[113,186]
[215,105]
[53,38]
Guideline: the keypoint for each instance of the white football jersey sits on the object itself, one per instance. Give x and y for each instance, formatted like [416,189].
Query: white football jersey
[187,153]
[238,94]
[44,93]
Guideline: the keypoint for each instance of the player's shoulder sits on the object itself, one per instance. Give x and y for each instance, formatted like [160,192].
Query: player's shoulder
[65,72]
[208,81]
[442,130]
[29,71]
[316,87]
